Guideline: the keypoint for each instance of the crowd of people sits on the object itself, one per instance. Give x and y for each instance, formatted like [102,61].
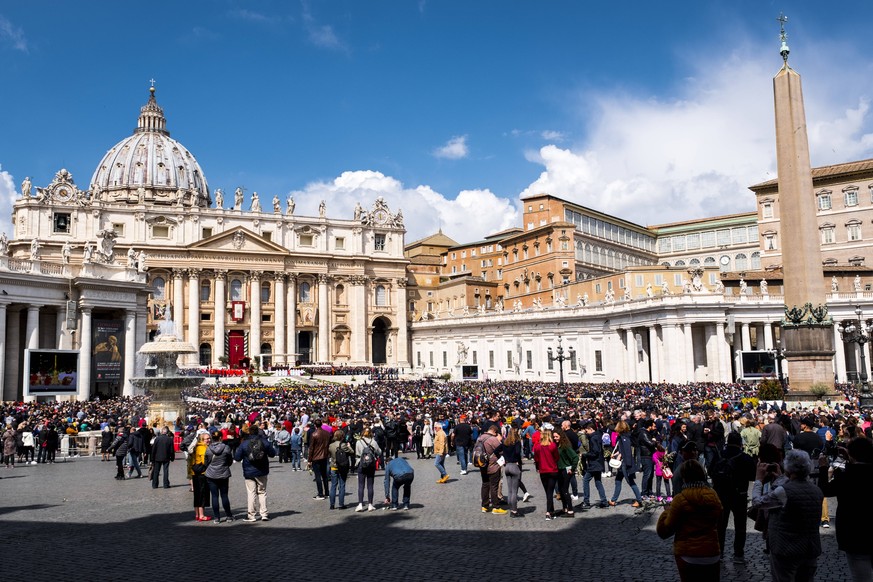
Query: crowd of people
[704,452]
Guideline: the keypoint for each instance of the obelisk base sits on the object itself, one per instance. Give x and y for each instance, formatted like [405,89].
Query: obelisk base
[810,354]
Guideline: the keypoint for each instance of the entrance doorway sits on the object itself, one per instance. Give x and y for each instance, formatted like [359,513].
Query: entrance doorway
[236,347]
[380,340]
[304,347]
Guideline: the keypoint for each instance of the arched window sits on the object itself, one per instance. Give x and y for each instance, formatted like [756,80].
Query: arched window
[305,292]
[742,262]
[205,355]
[709,261]
[205,291]
[694,262]
[265,292]
[236,290]
[680,263]
[160,286]
[340,294]
[381,296]
[756,260]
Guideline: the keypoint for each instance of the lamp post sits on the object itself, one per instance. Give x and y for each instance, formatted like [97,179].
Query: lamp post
[858,332]
[561,358]
[779,355]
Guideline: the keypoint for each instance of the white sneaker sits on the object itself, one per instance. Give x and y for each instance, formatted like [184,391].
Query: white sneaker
[371,507]
[463,472]
[574,497]
[526,496]
[360,507]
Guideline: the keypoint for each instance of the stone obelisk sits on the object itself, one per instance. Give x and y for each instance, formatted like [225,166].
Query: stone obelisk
[807,330]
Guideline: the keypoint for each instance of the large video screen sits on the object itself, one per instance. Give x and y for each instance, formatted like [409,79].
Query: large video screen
[758,364]
[51,372]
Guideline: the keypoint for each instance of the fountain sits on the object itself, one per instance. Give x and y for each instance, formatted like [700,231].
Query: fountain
[161,373]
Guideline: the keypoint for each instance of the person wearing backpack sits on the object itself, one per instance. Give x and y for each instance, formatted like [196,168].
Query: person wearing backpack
[731,474]
[366,451]
[255,452]
[340,463]
[392,431]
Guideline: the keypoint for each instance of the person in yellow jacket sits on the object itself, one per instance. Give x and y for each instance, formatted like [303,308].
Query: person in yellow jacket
[692,520]
[440,450]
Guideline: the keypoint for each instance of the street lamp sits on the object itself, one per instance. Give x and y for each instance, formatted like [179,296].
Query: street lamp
[858,332]
[779,355]
[561,358]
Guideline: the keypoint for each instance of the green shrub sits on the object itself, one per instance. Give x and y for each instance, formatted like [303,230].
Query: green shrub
[819,389]
[770,389]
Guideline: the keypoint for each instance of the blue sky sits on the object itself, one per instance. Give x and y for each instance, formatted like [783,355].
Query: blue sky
[450,110]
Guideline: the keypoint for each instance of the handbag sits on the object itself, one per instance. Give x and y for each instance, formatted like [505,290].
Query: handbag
[615,458]
[667,472]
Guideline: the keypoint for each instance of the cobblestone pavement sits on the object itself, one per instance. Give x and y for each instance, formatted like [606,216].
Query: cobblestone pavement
[73,520]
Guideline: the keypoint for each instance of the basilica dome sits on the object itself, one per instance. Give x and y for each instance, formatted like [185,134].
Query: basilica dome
[150,167]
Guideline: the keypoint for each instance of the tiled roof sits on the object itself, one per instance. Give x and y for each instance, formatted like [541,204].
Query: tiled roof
[826,172]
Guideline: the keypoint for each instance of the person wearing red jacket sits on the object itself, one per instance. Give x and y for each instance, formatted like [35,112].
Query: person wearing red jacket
[545,452]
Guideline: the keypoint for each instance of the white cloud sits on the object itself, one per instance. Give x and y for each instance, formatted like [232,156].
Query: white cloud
[454,149]
[552,135]
[471,215]
[654,160]
[13,34]
[320,35]
[7,198]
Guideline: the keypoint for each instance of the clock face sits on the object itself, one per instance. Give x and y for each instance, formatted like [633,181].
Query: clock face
[63,194]
[725,260]
[380,217]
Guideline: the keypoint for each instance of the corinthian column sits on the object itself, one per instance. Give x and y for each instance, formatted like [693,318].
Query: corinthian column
[279,323]
[194,314]
[402,355]
[129,351]
[178,303]
[358,313]
[323,320]
[220,315]
[255,314]
[291,306]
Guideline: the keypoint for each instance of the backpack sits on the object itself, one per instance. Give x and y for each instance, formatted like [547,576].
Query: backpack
[368,458]
[256,450]
[481,457]
[722,472]
[341,458]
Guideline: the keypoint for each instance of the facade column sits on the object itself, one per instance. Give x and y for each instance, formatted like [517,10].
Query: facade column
[178,304]
[60,333]
[4,351]
[690,372]
[255,314]
[31,333]
[85,355]
[194,314]
[291,320]
[358,313]
[631,341]
[768,336]
[129,351]
[279,318]
[724,356]
[746,335]
[839,357]
[220,303]
[13,347]
[401,354]
[654,356]
[324,354]
[674,358]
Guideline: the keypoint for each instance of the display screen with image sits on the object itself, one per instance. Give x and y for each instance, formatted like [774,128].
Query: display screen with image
[52,372]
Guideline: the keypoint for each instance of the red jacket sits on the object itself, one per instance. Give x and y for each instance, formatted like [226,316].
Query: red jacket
[546,457]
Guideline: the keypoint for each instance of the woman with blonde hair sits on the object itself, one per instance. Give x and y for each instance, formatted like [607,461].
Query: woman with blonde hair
[627,470]
[545,452]
[198,480]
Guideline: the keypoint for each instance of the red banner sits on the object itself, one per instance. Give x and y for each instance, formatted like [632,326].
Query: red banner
[237,310]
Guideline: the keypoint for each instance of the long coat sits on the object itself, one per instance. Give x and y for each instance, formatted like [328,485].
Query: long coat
[9,442]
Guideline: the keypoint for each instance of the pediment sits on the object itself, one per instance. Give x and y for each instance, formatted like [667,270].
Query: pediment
[238,240]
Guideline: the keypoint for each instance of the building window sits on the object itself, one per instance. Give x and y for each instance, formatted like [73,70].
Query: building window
[418,358]
[305,292]
[550,363]
[573,363]
[340,243]
[491,359]
[205,355]
[598,361]
[742,262]
[431,359]
[236,293]
[508,359]
[118,227]
[267,235]
[61,222]
[851,197]
[340,294]
[160,287]
[265,292]
[205,291]
[854,230]
[756,261]
[475,358]
[767,210]
[206,316]
[306,240]
[769,242]
[824,201]
[827,236]
[206,232]
[161,231]
[529,355]
[381,296]
[445,359]
[379,242]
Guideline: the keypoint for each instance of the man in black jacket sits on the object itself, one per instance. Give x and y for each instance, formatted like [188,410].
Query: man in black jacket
[646,446]
[594,466]
[731,474]
[162,455]
[134,449]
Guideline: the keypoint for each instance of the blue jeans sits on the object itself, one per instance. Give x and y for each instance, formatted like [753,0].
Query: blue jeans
[165,465]
[439,463]
[586,486]
[461,452]
[399,481]
[631,480]
[134,465]
[338,478]
[295,459]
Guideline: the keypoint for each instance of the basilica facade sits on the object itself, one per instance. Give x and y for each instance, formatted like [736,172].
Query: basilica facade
[245,283]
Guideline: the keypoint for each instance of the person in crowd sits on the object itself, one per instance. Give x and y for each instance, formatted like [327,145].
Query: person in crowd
[545,452]
[440,451]
[646,440]
[731,475]
[663,473]
[567,461]
[9,446]
[851,487]
[427,438]
[339,453]
[594,466]
[318,459]
[106,438]
[119,448]
[794,509]
[462,439]
[692,521]
[490,473]
[255,451]
[219,458]
[751,435]
[296,448]
[134,451]
[163,453]
[512,455]
[283,443]
[627,470]
[198,484]
[774,433]
[403,476]
[366,453]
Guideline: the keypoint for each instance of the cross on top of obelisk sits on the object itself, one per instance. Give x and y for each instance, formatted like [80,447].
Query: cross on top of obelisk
[783,36]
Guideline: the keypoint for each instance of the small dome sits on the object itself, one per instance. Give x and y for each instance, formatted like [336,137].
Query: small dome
[150,167]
